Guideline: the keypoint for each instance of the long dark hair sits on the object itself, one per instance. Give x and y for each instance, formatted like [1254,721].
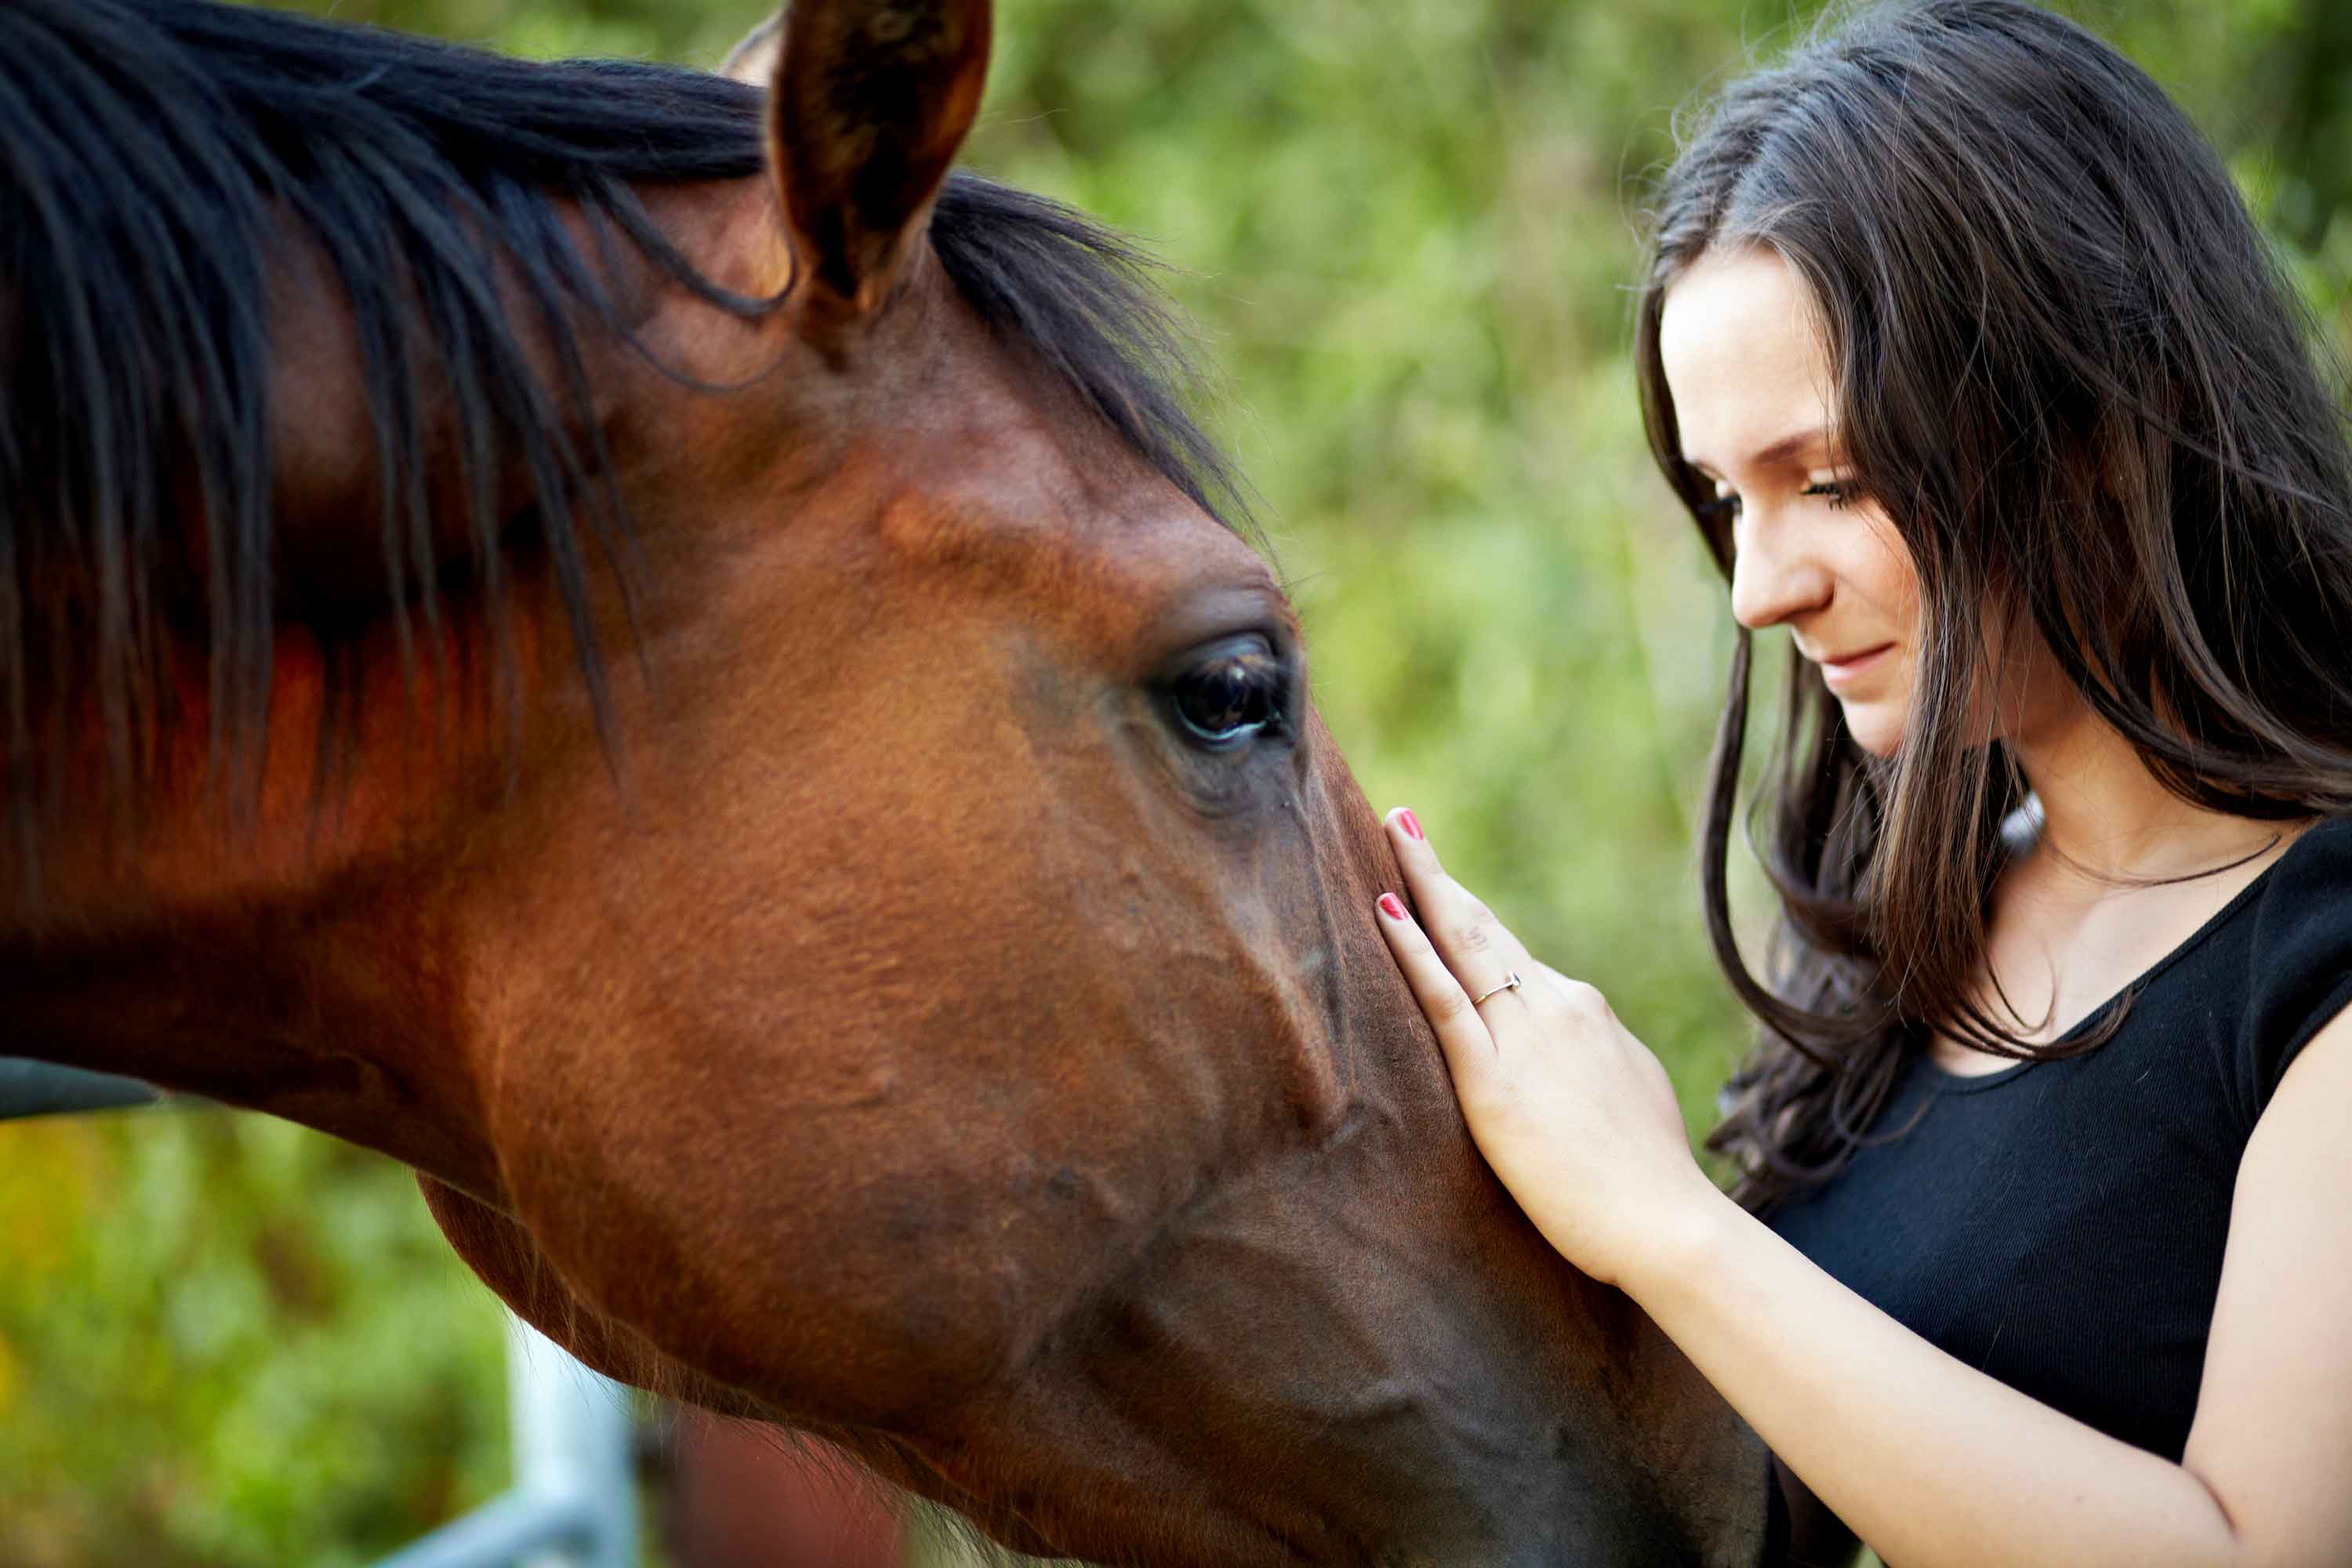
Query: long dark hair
[2069,369]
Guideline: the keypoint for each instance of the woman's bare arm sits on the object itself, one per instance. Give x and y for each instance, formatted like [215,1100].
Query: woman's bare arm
[1817,1538]
[1933,1462]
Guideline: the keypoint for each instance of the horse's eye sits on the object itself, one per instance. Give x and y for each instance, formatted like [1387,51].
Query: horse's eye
[1232,692]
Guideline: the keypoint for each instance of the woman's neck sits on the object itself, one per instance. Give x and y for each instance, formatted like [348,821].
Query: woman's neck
[2107,818]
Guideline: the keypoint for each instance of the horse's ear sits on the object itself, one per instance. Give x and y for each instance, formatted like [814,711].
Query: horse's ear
[870,101]
[754,59]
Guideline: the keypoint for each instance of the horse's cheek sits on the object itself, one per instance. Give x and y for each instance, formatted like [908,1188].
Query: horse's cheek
[747,1238]
[859,1179]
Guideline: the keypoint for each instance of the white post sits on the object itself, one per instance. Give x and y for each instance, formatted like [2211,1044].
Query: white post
[572,1446]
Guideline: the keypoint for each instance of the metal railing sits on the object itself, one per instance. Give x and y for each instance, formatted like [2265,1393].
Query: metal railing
[574,1501]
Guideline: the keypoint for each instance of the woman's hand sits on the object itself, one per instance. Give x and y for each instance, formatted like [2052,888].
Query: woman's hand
[1574,1113]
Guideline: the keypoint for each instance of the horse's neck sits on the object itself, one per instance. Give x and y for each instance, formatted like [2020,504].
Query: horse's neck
[269,946]
[326,1013]
[289,940]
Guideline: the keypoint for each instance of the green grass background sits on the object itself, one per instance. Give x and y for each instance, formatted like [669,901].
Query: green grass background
[1406,228]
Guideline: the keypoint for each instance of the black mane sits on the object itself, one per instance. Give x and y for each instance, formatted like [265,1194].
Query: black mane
[146,150]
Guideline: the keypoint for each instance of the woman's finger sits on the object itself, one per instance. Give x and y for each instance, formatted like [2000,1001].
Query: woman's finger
[1461,1031]
[1477,948]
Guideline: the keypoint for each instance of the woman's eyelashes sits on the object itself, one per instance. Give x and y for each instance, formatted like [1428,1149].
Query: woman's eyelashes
[1725,506]
[1838,493]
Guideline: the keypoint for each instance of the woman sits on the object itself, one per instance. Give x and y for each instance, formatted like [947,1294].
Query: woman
[1963,353]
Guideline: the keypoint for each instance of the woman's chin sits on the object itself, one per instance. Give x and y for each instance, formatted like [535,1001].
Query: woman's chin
[1873,728]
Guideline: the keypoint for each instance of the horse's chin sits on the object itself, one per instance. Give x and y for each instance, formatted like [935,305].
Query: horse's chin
[1208,1539]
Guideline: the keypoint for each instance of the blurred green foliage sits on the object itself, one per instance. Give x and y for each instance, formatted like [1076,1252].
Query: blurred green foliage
[1405,228]
[226,1340]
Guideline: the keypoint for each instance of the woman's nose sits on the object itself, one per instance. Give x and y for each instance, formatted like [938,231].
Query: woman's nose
[1774,576]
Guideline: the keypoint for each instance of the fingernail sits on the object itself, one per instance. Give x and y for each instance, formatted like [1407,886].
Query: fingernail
[1412,823]
[1392,906]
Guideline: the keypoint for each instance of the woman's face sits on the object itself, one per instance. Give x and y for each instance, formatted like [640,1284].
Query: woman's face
[1750,380]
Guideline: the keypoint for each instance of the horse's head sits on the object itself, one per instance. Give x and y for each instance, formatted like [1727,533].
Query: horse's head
[929,992]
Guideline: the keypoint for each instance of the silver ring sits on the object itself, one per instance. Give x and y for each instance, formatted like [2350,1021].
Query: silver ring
[1510,984]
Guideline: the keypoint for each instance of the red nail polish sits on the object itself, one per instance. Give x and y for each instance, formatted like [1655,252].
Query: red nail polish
[1392,906]
[1412,823]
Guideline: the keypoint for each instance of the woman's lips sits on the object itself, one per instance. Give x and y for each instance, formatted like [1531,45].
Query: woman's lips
[1841,672]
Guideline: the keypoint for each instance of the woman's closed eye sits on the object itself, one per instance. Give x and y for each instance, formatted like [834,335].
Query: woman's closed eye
[1724,507]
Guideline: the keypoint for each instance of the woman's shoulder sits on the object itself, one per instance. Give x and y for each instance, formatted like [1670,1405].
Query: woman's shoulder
[2307,892]
[2297,956]
[2328,836]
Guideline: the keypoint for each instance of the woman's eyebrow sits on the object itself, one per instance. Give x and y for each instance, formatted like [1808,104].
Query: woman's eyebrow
[1777,451]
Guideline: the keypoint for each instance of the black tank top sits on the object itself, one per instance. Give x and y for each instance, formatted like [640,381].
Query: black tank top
[2060,1224]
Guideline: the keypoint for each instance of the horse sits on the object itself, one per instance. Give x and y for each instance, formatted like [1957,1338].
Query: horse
[648,647]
